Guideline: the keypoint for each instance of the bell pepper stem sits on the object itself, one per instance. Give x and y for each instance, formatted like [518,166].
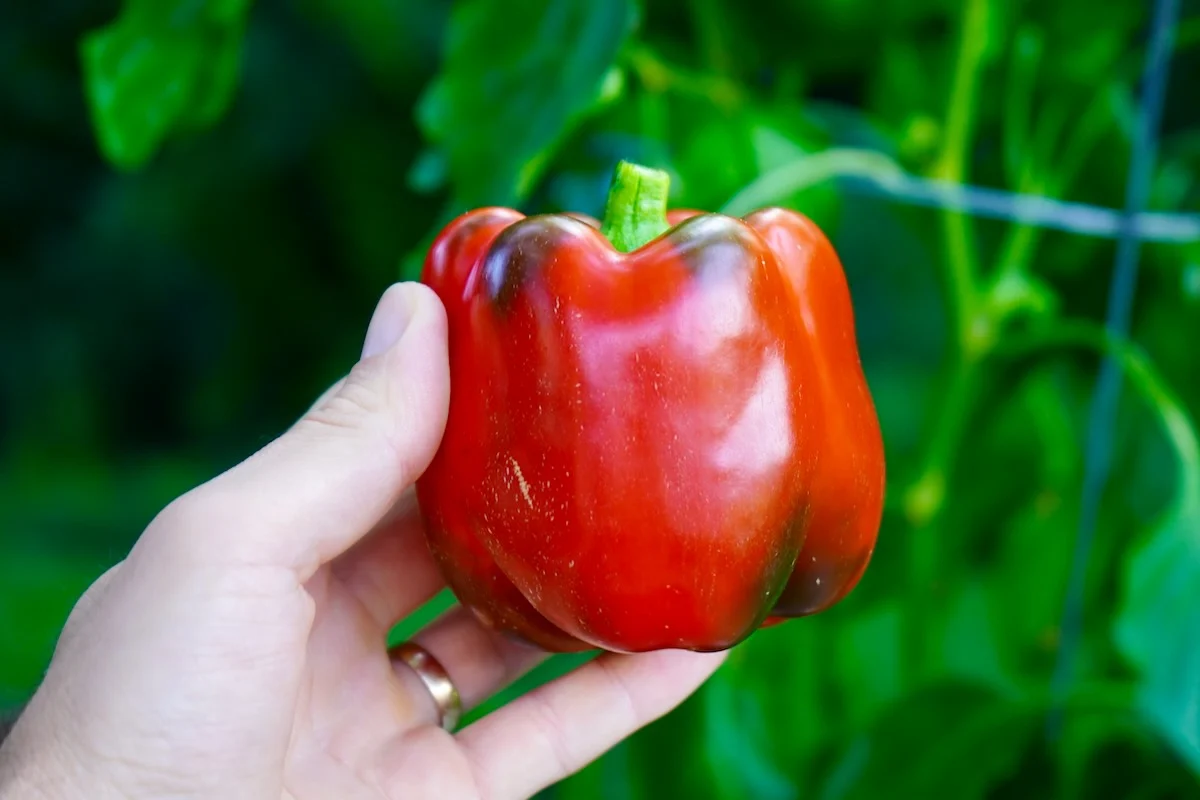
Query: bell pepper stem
[636,212]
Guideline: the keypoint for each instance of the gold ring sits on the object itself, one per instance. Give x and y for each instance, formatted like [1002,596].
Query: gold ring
[436,679]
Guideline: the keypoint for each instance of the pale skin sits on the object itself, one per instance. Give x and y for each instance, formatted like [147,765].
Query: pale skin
[239,651]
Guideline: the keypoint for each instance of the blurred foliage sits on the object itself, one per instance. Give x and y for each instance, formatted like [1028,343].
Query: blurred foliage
[161,67]
[201,200]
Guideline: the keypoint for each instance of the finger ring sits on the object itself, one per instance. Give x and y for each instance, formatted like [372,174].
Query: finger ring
[436,679]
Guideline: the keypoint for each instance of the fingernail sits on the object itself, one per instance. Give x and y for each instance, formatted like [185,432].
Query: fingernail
[388,323]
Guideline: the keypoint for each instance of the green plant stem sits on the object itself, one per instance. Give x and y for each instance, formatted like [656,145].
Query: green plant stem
[794,176]
[924,505]
[636,212]
[951,166]
[972,336]
[1022,239]
[969,341]
[712,30]
[658,75]
[1018,105]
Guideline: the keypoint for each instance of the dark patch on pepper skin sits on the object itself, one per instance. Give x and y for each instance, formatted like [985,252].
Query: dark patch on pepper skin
[818,587]
[586,219]
[520,250]
[465,230]
[714,245]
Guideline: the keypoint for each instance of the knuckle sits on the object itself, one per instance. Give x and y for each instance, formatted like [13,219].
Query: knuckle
[623,694]
[367,405]
[549,727]
[346,409]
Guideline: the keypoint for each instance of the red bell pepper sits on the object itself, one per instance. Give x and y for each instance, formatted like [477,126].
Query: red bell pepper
[659,433]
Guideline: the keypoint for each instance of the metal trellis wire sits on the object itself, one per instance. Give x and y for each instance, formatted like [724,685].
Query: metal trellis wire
[1098,448]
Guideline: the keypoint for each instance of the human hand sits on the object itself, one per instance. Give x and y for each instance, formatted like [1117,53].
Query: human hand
[239,651]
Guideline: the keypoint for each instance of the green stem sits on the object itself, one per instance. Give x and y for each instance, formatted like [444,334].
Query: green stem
[783,181]
[973,336]
[712,30]
[636,212]
[952,166]
[1022,239]
[927,494]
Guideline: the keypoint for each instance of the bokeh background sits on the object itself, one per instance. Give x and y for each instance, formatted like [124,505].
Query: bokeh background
[201,200]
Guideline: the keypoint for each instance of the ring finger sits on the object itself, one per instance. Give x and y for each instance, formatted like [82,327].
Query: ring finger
[478,661]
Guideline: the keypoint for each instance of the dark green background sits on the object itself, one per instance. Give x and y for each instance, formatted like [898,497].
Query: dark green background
[192,240]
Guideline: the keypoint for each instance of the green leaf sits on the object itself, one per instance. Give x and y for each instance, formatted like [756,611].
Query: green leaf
[1105,751]
[782,667]
[756,141]
[668,758]
[749,732]
[161,69]
[719,743]
[969,645]
[736,742]
[950,740]
[868,655]
[1159,626]
[517,78]
[1026,560]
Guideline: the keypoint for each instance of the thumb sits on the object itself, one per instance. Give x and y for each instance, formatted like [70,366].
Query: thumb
[306,497]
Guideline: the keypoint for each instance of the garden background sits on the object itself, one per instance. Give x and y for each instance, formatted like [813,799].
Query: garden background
[201,200]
